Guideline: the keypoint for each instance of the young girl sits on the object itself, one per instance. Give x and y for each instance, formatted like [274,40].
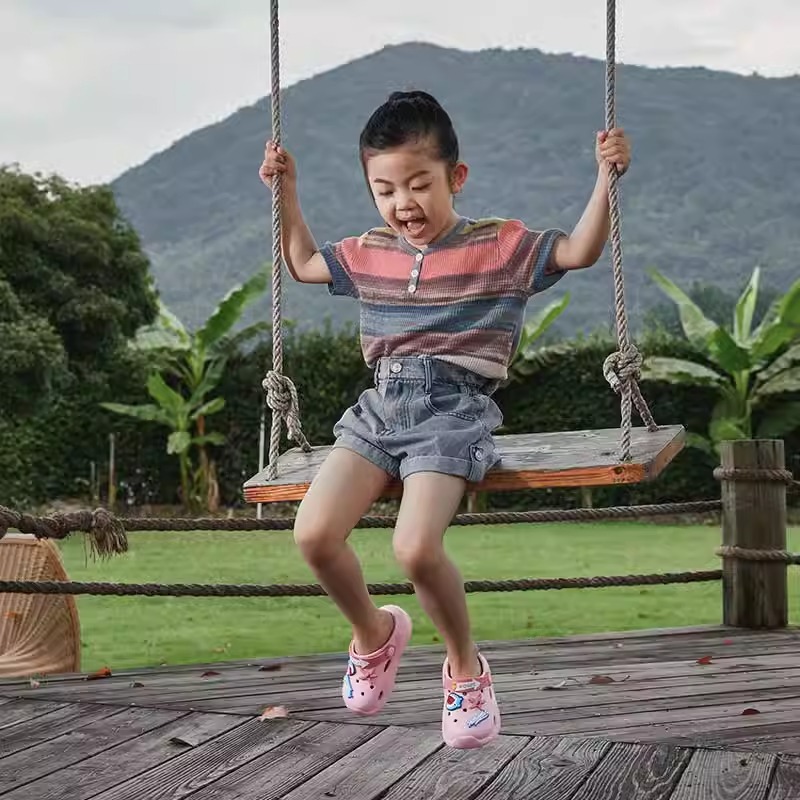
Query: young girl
[442,301]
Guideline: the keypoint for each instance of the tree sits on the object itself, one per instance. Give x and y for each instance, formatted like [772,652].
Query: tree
[194,363]
[73,262]
[755,370]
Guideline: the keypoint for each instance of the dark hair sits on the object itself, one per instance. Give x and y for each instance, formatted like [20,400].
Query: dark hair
[406,117]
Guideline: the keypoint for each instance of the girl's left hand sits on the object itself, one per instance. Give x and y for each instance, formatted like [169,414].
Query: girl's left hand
[613,147]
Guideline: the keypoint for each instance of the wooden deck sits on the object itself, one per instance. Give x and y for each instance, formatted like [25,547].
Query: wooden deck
[699,714]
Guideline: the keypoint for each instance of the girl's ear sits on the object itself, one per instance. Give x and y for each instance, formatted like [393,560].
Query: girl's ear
[458,177]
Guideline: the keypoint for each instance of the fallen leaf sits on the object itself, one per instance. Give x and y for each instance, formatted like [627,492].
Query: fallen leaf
[601,680]
[182,741]
[560,685]
[274,712]
[13,615]
[209,674]
[103,672]
[137,685]
[270,667]
[35,684]
[218,650]
[704,660]
[435,639]
[727,641]
[748,712]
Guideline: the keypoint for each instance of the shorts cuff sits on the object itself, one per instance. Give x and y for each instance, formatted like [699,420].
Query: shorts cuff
[458,467]
[370,452]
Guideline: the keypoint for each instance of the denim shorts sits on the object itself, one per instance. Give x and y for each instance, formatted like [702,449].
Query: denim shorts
[424,415]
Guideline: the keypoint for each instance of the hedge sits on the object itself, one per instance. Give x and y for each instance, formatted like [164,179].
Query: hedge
[47,454]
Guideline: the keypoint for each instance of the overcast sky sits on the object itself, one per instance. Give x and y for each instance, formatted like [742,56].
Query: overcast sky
[91,87]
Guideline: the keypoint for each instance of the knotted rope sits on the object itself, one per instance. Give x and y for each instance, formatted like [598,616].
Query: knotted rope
[620,369]
[106,532]
[281,392]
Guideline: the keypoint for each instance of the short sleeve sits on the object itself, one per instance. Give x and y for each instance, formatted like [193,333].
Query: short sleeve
[339,257]
[530,255]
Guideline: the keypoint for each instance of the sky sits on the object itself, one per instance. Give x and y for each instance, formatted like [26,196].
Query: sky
[93,87]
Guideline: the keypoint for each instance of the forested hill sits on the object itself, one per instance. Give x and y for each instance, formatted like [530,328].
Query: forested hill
[714,188]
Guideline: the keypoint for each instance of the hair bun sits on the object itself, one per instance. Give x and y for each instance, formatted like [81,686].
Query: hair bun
[412,96]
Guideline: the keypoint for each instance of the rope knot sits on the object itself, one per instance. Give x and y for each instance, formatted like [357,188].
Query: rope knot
[623,366]
[282,400]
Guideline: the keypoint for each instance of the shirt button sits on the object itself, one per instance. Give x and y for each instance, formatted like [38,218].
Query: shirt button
[411,288]
[414,273]
[418,257]
[396,367]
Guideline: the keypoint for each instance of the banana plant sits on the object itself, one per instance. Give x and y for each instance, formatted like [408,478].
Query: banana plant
[528,358]
[194,363]
[755,370]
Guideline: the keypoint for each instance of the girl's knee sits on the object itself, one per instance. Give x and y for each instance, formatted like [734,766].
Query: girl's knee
[315,539]
[417,554]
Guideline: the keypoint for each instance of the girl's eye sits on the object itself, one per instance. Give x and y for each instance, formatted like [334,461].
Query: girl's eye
[384,194]
[420,188]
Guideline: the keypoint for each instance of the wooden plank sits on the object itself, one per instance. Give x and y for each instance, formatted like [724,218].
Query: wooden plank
[714,775]
[669,639]
[368,771]
[112,767]
[284,769]
[638,772]
[40,729]
[456,774]
[786,781]
[188,684]
[547,769]
[200,766]
[62,751]
[754,517]
[528,461]
[21,710]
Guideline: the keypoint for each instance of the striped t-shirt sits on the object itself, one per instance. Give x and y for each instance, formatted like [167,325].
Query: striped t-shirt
[461,299]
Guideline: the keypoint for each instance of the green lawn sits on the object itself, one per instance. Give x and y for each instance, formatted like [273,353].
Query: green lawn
[122,632]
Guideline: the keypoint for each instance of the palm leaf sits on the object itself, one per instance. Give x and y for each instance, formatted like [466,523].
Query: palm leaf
[166,397]
[696,325]
[784,361]
[783,383]
[179,442]
[725,352]
[147,413]
[209,438]
[745,308]
[207,409]
[781,324]
[679,370]
[538,324]
[230,309]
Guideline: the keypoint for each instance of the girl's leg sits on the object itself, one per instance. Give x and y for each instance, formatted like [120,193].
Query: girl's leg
[429,502]
[342,492]
[470,714]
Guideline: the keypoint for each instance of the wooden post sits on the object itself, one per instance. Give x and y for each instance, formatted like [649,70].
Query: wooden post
[754,517]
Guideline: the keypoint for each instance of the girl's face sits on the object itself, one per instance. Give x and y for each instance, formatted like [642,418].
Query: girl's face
[413,190]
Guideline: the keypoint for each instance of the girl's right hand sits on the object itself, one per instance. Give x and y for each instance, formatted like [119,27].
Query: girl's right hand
[277,161]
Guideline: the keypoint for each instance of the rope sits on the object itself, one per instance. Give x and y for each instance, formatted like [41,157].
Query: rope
[621,369]
[315,590]
[747,554]
[754,475]
[101,524]
[282,396]
[106,532]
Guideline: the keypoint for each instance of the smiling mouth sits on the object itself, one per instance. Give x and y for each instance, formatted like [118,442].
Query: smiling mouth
[413,227]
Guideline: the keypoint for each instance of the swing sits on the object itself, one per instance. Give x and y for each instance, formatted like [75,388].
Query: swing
[527,461]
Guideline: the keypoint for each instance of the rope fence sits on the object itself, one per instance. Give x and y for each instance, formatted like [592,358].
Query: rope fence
[315,590]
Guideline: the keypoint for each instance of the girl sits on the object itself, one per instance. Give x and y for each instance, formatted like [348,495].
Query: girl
[442,300]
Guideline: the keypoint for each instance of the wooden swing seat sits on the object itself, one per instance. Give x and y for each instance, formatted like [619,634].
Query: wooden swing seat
[527,461]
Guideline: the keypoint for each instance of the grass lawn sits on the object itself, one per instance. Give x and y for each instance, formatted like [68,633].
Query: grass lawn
[125,632]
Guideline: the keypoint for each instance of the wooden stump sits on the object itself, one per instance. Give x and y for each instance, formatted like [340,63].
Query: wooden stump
[754,517]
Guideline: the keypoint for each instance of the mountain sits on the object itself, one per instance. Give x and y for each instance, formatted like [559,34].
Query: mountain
[714,187]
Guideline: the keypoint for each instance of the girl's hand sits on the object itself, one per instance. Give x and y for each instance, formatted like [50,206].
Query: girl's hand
[277,161]
[613,147]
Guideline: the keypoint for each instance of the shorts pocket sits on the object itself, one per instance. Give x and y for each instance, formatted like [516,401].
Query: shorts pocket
[447,399]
